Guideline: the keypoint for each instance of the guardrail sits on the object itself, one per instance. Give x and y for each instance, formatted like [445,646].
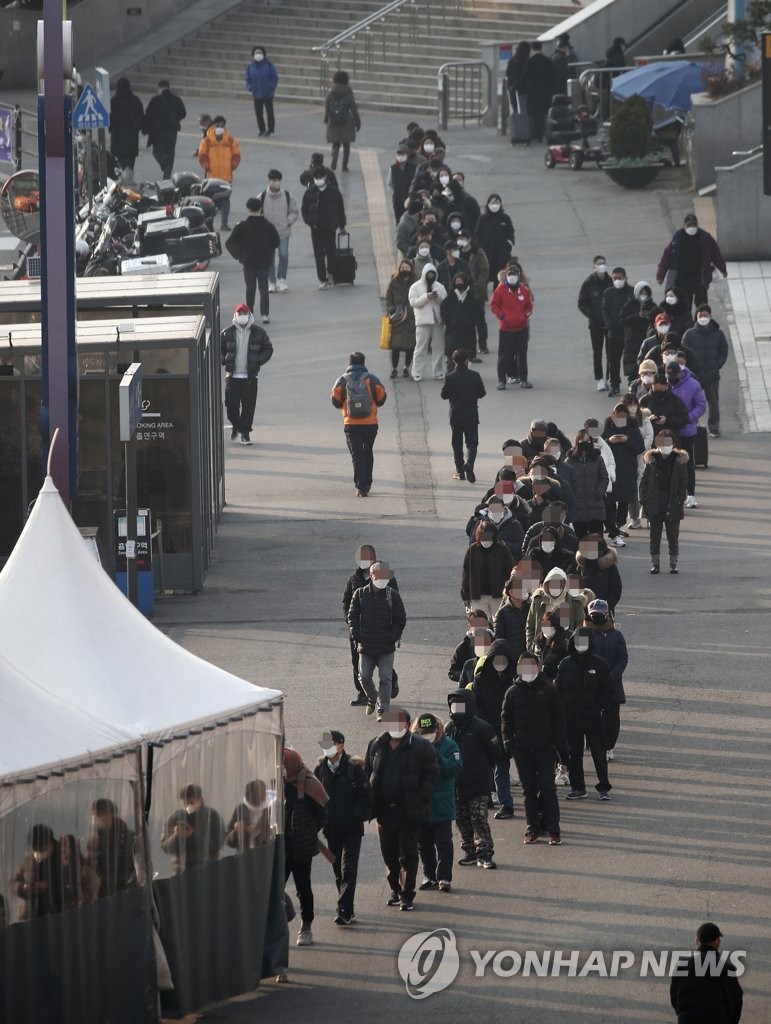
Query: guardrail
[463,91]
[23,132]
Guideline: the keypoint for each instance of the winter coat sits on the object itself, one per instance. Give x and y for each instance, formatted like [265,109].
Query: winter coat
[489,686]
[280,209]
[590,298]
[565,535]
[667,404]
[495,234]
[405,233]
[340,396]
[450,763]
[625,456]
[427,311]
[360,578]
[126,119]
[398,182]
[303,818]
[403,334]
[306,176]
[690,393]
[539,84]
[591,479]
[463,388]
[636,327]
[248,829]
[601,575]
[463,652]
[478,745]
[219,157]
[542,602]
[662,496]
[446,272]
[608,643]
[710,347]
[376,619]
[419,775]
[583,681]
[711,257]
[559,558]
[341,96]
[350,799]
[29,874]
[509,625]
[110,853]
[253,242]
[479,265]
[613,302]
[323,209]
[259,353]
[679,314]
[551,652]
[510,530]
[512,306]
[532,717]
[261,79]
[163,118]
[704,996]
[203,845]
[464,322]
[499,565]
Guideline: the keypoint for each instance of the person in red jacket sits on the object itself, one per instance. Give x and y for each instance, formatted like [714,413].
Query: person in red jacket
[512,304]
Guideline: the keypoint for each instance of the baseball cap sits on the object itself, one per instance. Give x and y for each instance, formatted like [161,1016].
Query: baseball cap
[427,721]
[708,932]
[598,606]
[242,308]
[328,739]
[662,318]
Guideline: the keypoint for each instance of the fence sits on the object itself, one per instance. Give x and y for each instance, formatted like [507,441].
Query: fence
[18,137]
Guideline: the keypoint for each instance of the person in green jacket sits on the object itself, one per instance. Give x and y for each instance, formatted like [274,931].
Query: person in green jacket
[435,836]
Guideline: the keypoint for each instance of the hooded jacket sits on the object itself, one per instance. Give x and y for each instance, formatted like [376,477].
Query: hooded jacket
[499,563]
[532,717]
[667,404]
[608,642]
[512,306]
[601,575]
[583,681]
[625,456]
[350,798]
[490,686]
[340,396]
[510,530]
[478,744]
[495,234]
[341,95]
[427,311]
[419,775]
[542,601]
[591,483]
[219,157]
[636,326]
[662,493]
[376,619]
[259,351]
[261,78]
[710,347]
[690,393]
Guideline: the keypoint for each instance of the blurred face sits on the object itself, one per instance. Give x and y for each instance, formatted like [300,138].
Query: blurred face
[365,556]
[380,574]
[589,547]
[527,669]
[396,724]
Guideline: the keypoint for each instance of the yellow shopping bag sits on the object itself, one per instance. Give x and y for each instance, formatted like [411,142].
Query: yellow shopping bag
[385,332]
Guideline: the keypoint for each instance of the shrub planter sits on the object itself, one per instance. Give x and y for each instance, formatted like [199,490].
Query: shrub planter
[632,177]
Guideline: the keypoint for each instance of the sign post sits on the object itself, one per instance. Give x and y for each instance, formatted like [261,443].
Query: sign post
[766,136]
[130,412]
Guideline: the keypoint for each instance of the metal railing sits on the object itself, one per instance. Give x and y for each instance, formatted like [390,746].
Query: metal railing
[594,86]
[463,91]
[23,133]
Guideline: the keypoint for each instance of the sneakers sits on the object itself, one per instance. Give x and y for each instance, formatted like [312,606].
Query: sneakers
[525,384]
[504,812]
[305,936]
[673,570]
[343,920]
[459,474]
[634,524]
[467,861]
[444,887]
[622,532]
[602,385]
[512,380]
[655,570]
[500,387]
[714,433]
[604,795]
[486,862]
[561,777]
[281,285]
[224,227]
[428,883]
[245,439]
[282,975]
[271,288]
[470,475]
[234,433]
[577,794]
[555,840]
[691,502]
[394,373]
[266,319]
[405,372]
[379,716]
[406,904]
[324,285]
[417,378]
[618,541]
[370,709]
[610,755]
[530,837]
[394,899]
[614,392]
[359,702]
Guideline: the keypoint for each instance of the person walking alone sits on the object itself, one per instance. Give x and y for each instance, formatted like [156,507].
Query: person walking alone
[359,394]
[163,119]
[244,349]
[463,388]
[341,116]
[219,154]
[376,620]
[253,243]
[261,82]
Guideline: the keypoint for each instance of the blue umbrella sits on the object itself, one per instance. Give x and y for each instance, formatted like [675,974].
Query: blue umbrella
[667,82]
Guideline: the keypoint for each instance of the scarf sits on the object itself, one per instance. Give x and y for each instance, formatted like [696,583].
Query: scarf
[299,775]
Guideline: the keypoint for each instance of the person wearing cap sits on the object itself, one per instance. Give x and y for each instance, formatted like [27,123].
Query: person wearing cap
[400,175]
[253,242]
[705,989]
[609,644]
[637,316]
[376,619]
[280,208]
[663,406]
[463,388]
[403,771]
[690,260]
[348,809]
[435,835]
[657,339]
[244,349]
[194,834]
[37,881]
[323,210]
[317,164]
[708,343]
[641,385]
[590,298]
[687,388]
[480,752]
[219,154]
[365,558]
[663,489]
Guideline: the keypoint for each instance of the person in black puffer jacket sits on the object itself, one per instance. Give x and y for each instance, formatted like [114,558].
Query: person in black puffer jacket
[365,557]
[244,349]
[475,619]
[511,617]
[583,681]
[509,528]
[709,345]
[551,644]
[304,802]
[376,619]
[546,550]
[598,569]
[637,317]
[493,674]
[480,751]
[608,642]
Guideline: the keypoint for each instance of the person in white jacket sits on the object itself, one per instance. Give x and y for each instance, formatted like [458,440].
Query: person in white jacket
[426,296]
[281,209]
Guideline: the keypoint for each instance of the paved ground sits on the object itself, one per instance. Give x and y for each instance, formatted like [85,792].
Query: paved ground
[686,838]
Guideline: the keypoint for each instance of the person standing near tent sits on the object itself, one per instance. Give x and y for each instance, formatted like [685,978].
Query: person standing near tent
[305,800]
[36,882]
[194,834]
[110,849]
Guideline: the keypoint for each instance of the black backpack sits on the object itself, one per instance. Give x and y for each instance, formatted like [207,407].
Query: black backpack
[338,110]
[358,395]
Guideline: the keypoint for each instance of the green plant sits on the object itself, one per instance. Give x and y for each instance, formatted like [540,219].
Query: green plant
[736,35]
[629,137]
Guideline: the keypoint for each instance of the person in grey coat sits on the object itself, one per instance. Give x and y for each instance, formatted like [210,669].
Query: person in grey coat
[341,116]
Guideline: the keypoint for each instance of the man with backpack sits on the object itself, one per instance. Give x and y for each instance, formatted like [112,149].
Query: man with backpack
[359,394]
[280,209]
[376,620]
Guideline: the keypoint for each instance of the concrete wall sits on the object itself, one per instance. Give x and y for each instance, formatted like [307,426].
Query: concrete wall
[743,212]
[717,127]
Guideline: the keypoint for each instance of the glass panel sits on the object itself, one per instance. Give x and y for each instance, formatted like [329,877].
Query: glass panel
[33,393]
[90,507]
[154,359]
[11,500]
[90,361]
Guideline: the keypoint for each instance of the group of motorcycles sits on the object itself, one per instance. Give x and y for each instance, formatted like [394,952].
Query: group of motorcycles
[156,227]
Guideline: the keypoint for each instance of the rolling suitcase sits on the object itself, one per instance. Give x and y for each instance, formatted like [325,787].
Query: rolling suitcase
[344,267]
[520,126]
[701,447]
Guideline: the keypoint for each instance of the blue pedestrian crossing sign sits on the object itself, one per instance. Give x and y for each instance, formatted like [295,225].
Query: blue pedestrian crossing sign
[90,111]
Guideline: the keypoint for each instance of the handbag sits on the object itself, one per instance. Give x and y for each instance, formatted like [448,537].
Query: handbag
[385,332]
[398,316]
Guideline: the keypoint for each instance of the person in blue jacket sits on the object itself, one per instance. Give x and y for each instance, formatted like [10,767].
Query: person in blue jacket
[608,642]
[261,81]
[435,836]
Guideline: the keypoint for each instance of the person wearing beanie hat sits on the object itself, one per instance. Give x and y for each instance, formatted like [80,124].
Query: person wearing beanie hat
[253,243]
[637,315]
[37,882]
[244,349]
[348,809]
[663,490]
[689,261]
[435,835]
[705,988]
[608,643]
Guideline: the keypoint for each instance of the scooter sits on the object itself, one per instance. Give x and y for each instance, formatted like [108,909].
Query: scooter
[575,152]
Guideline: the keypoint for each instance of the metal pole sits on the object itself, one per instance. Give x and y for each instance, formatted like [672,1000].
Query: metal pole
[130,457]
[101,141]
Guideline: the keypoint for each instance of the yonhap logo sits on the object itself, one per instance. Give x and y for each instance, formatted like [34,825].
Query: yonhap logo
[429,962]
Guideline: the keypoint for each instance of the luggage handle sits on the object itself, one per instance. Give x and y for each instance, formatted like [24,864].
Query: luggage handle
[343,235]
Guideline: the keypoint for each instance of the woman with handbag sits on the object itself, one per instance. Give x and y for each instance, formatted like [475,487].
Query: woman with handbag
[401,317]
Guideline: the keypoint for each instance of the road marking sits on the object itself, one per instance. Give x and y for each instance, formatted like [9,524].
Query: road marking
[381,218]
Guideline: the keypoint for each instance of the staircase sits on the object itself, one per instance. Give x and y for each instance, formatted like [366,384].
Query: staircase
[392,67]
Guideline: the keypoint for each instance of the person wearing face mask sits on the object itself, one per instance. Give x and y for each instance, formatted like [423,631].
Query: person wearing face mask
[424,249]
[244,349]
[280,209]
[532,728]
[305,802]
[466,205]
[349,807]
[376,619]
[401,316]
[435,835]
[511,617]
[407,227]
[323,211]
[708,343]
[341,116]
[626,443]
[637,316]
[317,164]
[678,311]
[426,297]
[465,325]
[510,531]
[547,552]
[583,681]
[597,565]
[663,406]
[658,340]
[495,234]
[479,267]
[493,674]
[250,823]
[37,883]
[690,260]
[551,646]
[451,264]
[486,567]
[261,81]
[643,383]
[608,643]
[110,849]
[465,650]
[219,154]
[558,486]
[687,388]
[400,175]
[554,518]
[512,305]
[646,430]
[365,558]
[427,176]
[553,596]
[613,301]
[403,771]
[253,244]
[193,835]
[591,483]
[590,297]
[663,490]
[463,388]
[480,752]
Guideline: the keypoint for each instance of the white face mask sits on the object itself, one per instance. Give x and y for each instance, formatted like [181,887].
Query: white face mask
[480,651]
[274,186]
[457,709]
[670,357]
[455,225]
[486,543]
[401,158]
[618,282]
[40,855]
[259,56]
[465,244]
[671,300]
[703,321]
[512,279]
[455,254]
[494,207]
[329,751]
[500,664]
[242,319]
[582,646]
[364,563]
[219,132]
[397,734]
[428,147]
[547,546]
[601,268]
[321,185]
[423,250]
[380,584]
[444,180]
[495,517]
[556,453]
[528,676]
[508,498]
[191,808]
[647,378]
[666,449]
[618,421]
[430,736]
[555,589]
[548,631]
[691,231]
[663,328]
[574,591]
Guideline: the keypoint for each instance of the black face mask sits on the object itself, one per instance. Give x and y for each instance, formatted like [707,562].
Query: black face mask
[585,446]
[598,619]
[430,278]
[405,273]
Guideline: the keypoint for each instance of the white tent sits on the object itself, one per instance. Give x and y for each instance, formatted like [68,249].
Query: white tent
[67,626]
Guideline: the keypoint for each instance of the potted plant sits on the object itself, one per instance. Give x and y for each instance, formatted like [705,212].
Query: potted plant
[631,163]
